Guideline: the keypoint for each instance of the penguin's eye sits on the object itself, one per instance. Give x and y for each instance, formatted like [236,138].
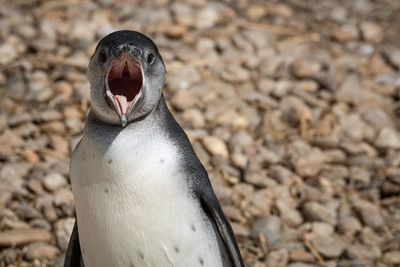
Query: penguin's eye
[150,58]
[102,56]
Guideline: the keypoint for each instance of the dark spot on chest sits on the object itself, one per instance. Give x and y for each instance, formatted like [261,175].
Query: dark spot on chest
[176,249]
[109,161]
[201,261]
[161,160]
[141,255]
[106,190]
[193,228]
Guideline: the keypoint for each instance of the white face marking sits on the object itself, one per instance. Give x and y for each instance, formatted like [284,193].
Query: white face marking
[134,208]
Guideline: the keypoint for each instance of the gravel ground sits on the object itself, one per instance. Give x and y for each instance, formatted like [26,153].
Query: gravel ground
[291,105]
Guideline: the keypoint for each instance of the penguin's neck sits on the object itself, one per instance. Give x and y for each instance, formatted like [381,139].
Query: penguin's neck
[96,127]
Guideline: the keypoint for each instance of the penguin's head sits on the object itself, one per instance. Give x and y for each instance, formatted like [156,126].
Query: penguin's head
[126,74]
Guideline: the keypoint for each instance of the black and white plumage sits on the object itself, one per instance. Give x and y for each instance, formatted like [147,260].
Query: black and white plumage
[142,196]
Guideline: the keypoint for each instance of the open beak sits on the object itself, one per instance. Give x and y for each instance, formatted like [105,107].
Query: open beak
[124,84]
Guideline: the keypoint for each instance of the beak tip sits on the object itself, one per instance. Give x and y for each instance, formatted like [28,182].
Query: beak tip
[124,120]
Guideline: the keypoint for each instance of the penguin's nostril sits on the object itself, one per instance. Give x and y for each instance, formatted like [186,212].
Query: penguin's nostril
[135,51]
[126,48]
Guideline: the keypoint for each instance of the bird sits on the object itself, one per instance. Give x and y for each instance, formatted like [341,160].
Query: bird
[142,197]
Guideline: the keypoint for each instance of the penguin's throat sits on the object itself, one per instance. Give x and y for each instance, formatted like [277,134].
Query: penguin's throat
[124,83]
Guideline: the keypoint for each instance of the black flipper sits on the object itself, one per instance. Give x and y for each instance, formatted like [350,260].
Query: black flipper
[73,256]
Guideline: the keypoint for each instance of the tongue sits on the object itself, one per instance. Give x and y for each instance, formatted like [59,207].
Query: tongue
[122,103]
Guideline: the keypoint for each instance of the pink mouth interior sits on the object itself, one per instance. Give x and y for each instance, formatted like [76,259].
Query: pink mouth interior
[125,82]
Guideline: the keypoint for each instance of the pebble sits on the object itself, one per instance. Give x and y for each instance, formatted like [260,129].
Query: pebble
[10,179]
[241,140]
[349,224]
[360,177]
[370,237]
[59,144]
[59,261]
[329,247]
[307,161]
[281,9]
[387,138]
[9,142]
[53,127]
[235,73]
[295,111]
[278,258]
[240,229]
[72,113]
[377,118]
[371,32]
[377,66]
[300,264]
[19,119]
[183,13]
[21,236]
[206,17]
[8,53]
[216,146]
[351,90]
[392,258]
[9,256]
[31,156]
[363,252]
[183,100]
[355,129]
[27,212]
[63,197]
[256,12]
[63,229]
[289,215]
[239,160]
[26,30]
[3,122]
[40,223]
[370,214]
[334,156]
[306,68]
[315,211]
[393,56]
[270,227]
[322,229]
[184,78]
[301,255]
[194,118]
[53,181]
[41,251]
[345,33]
[81,36]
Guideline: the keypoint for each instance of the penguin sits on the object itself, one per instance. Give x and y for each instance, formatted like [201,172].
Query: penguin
[142,197]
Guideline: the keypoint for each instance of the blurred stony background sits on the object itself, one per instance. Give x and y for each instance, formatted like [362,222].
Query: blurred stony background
[293,106]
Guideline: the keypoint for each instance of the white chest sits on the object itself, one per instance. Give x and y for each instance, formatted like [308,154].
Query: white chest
[134,208]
